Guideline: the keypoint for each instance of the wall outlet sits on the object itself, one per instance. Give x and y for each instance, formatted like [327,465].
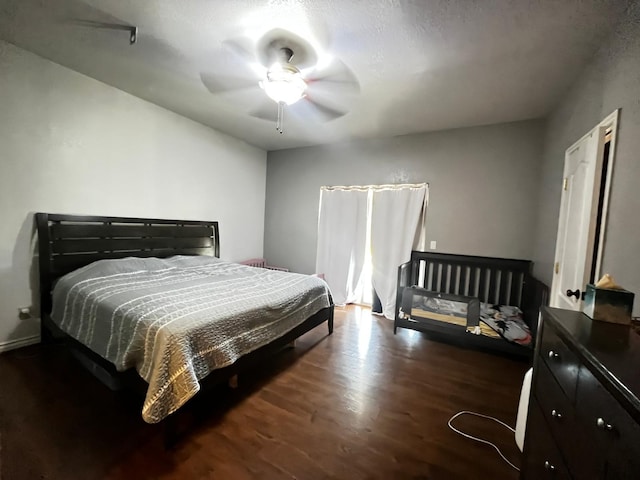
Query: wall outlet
[432,245]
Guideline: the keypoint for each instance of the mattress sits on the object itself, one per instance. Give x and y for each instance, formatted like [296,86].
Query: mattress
[175,320]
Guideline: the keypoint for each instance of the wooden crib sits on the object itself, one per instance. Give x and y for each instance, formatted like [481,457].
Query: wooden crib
[487,279]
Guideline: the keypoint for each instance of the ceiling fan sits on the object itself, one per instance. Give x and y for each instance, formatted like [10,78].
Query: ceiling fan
[290,72]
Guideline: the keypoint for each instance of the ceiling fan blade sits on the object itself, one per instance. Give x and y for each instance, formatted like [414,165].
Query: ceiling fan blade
[332,93]
[307,107]
[242,47]
[336,72]
[224,83]
[268,110]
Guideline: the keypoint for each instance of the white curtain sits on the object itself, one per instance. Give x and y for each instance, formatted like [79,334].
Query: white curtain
[397,220]
[342,235]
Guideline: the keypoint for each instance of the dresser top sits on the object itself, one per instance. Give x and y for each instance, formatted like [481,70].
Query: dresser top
[610,351]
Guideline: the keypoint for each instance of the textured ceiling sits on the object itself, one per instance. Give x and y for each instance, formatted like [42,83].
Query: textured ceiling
[422,65]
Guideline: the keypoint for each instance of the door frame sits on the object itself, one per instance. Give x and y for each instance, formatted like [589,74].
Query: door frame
[609,122]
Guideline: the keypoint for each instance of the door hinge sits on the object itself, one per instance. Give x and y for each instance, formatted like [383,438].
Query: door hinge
[565,183]
[557,267]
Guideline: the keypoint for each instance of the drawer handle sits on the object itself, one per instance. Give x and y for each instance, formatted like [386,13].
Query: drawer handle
[556,414]
[549,466]
[602,425]
[553,355]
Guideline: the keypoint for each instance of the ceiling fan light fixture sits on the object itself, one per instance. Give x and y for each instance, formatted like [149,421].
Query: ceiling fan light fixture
[284,84]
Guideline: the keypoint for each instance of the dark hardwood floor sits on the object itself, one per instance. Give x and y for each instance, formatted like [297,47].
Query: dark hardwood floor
[361,403]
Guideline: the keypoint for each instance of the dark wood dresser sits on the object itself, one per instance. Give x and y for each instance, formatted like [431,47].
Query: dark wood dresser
[584,409]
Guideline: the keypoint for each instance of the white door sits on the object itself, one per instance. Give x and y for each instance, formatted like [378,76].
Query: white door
[577,222]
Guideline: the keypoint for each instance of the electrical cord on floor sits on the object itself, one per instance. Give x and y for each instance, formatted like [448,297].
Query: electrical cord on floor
[466,412]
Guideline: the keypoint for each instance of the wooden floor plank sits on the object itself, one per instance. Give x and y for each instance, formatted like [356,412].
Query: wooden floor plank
[359,404]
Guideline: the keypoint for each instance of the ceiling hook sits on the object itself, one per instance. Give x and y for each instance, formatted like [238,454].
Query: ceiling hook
[133,35]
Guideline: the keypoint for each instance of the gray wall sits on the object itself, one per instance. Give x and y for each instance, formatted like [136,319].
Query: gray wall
[611,81]
[483,188]
[70,144]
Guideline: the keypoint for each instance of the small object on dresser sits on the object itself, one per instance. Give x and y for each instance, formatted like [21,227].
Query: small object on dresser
[608,302]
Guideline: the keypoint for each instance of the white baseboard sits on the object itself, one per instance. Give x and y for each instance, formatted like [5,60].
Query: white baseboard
[21,342]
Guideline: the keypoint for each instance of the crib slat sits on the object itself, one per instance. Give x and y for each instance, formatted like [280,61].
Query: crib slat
[473,281]
[493,281]
[455,278]
[443,277]
[434,276]
[462,280]
[505,287]
[516,288]
[415,264]
[482,285]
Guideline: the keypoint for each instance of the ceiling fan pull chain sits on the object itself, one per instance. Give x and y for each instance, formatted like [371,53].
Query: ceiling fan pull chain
[280,117]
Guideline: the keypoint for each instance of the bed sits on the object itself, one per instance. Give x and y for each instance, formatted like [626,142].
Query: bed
[148,304]
[483,302]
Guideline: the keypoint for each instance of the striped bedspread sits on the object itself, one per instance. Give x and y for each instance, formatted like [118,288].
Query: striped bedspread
[175,320]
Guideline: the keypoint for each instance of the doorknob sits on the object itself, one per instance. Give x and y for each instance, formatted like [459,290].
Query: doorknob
[576,293]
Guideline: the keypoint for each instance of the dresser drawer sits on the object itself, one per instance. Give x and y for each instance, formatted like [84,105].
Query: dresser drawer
[561,361]
[578,451]
[555,404]
[542,458]
[614,433]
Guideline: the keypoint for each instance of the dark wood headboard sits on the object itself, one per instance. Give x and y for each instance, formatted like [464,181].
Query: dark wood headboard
[68,242]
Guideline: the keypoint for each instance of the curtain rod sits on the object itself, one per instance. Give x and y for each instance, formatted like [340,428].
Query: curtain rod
[391,186]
